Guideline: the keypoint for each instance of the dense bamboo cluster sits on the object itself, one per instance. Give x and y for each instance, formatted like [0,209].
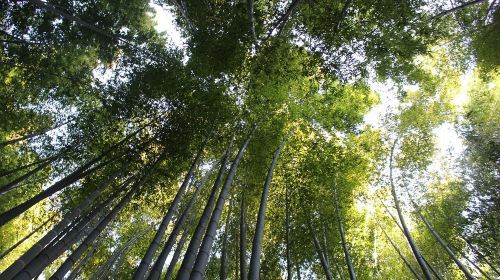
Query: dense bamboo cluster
[246,153]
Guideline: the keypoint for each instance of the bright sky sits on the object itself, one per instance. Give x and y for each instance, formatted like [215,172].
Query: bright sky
[166,23]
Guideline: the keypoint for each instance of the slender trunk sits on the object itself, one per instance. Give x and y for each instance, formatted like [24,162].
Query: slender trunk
[299,277]
[58,247]
[75,19]
[15,183]
[73,235]
[423,258]
[460,7]
[283,19]
[25,238]
[76,175]
[100,273]
[352,274]
[407,263]
[158,265]
[259,227]
[243,238]
[190,255]
[342,15]
[73,258]
[251,20]
[74,273]
[37,162]
[224,261]
[202,258]
[58,228]
[322,258]
[480,255]
[406,231]
[442,243]
[476,266]
[31,135]
[141,271]
[287,236]
[177,253]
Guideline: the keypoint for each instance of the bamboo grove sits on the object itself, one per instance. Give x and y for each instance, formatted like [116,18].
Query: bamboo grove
[247,152]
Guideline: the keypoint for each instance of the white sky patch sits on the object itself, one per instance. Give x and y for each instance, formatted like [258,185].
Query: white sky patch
[165,22]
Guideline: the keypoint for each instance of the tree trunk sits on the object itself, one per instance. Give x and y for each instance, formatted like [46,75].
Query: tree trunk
[58,247]
[190,255]
[299,277]
[73,258]
[53,251]
[36,252]
[224,261]
[101,272]
[15,183]
[202,258]
[480,255]
[158,265]
[423,258]
[322,258]
[407,263]
[74,273]
[57,229]
[251,20]
[443,243]
[259,227]
[75,19]
[287,236]
[31,135]
[460,7]
[406,231]
[243,238]
[352,274]
[141,271]
[177,253]
[26,237]
[28,165]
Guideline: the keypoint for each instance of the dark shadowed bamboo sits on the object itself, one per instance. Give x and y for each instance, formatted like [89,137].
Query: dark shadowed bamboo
[319,251]
[299,277]
[177,253]
[190,255]
[101,272]
[15,183]
[25,166]
[75,272]
[406,262]
[86,169]
[58,228]
[347,255]
[77,20]
[57,248]
[73,258]
[455,9]
[243,237]
[11,248]
[206,246]
[443,244]
[406,231]
[480,255]
[254,271]
[287,235]
[158,265]
[141,271]
[31,135]
[224,260]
